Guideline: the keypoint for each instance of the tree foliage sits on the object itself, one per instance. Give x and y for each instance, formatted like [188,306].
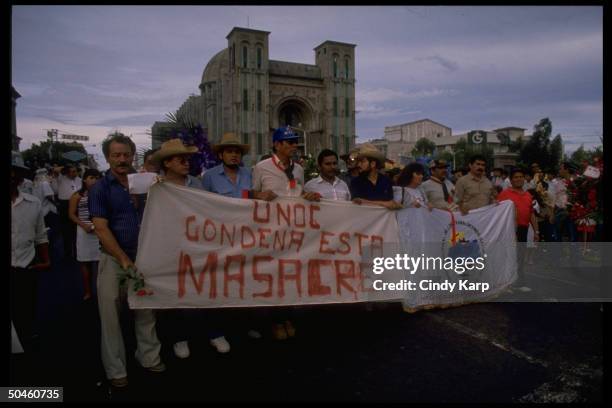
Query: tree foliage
[464,151]
[38,154]
[423,147]
[581,155]
[445,155]
[540,149]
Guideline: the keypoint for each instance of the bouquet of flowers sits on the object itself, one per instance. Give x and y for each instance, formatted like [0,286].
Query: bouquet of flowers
[139,283]
[584,196]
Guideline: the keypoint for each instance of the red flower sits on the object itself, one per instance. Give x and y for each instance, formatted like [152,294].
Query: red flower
[141,292]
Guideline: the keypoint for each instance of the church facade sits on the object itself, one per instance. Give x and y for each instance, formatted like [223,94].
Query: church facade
[244,92]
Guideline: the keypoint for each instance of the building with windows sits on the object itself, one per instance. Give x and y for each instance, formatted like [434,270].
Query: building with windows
[497,140]
[399,140]
[244,92]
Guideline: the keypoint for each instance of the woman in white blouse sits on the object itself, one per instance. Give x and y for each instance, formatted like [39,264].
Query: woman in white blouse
[408,192]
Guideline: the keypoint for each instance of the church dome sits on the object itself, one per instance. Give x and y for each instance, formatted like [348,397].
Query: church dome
[212,72]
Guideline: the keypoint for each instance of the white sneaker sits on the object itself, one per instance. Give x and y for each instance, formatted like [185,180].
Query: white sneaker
[220,344]
[524,289]
[181,349]
[254,334]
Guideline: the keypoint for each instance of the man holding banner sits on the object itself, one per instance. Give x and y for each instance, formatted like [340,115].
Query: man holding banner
[371,186]
[328,185]
[281,176]
[173,160]
[229,178]
[474,190]
[439,190]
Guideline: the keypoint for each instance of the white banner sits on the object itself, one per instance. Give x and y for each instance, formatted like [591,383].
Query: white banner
[487,232]
[198,249]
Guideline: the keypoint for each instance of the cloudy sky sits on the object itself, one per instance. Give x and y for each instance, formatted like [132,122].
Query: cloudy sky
[92,69]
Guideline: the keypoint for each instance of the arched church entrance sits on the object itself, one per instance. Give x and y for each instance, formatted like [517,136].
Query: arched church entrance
[295,113]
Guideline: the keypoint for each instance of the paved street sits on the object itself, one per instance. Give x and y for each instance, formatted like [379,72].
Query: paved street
[493,352]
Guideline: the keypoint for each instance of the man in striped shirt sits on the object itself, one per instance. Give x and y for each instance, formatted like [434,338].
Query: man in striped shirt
[117,216]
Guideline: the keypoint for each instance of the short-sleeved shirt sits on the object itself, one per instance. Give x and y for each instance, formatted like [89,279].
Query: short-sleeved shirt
[193,182]
[338,190]
[408,196]
[362,187]
[474,193]
[216,181]
[523,202]
[110,200]
[27,229]
[268,176]
[42,190]
[66,186]
[435,193]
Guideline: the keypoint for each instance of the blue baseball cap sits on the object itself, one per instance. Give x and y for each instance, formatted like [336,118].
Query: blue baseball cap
[283,133]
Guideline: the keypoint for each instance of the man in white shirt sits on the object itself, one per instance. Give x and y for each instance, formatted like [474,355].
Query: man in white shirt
[67,184]
[29,253]
[281,176]
[327,185]
[44,192]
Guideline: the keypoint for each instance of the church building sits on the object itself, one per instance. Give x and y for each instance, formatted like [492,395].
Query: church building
[245,92]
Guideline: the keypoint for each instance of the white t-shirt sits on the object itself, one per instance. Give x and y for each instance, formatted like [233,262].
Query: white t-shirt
[268,176]
[27,229]
[42,190]
[411,196]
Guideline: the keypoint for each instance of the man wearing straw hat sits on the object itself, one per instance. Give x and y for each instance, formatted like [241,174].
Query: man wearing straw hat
[173,161]
[371,186]
[229,179]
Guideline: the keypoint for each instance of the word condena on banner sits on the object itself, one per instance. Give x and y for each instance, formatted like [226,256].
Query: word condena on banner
[282,229]
[199,249]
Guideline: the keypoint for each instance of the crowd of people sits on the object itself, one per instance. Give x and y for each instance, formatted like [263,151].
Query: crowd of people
[100,220]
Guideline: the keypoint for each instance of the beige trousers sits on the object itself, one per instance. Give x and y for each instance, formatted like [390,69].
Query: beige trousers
[110,297]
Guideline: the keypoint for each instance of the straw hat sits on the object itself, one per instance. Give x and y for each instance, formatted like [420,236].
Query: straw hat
[370,151]
[351,154]
[230,139]
[173,147]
